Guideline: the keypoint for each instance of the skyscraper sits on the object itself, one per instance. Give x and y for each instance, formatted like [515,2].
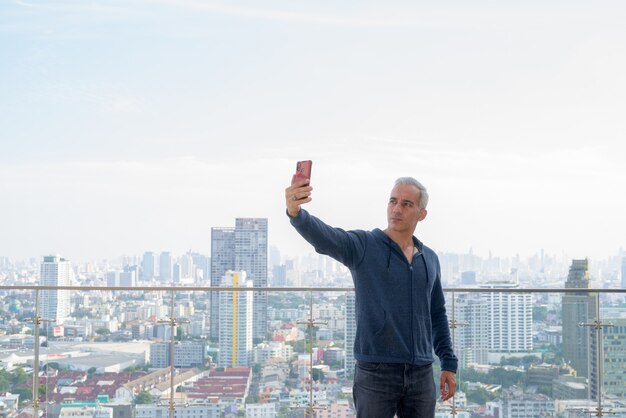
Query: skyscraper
[578,308]
[148,264]
[165,266]
[222,260]
[251,256]
[236,308]
[613,355]
[241,248]
[510,319]
[623,272]
[54,305]
[472,336]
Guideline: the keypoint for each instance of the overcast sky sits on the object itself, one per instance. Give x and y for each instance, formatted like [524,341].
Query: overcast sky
[131,126]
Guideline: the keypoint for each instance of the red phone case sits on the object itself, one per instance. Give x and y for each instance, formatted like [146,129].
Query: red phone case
[303,169]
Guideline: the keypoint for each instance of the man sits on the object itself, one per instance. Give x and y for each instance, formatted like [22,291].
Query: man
[400,308]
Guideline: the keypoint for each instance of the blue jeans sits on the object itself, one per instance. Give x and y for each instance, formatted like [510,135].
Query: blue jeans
[382,390]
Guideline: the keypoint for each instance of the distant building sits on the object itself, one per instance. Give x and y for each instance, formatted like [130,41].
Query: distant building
[516,404]
[338,409]
[186,354]
[350,332]
[128,278]
[570,387]
[54,305]
[251,257]
[148,266]
[542,374]
[241,248]
[623,272]
[578,308]
[471,342]
[165,267]
[205,409]
[261,410]
[222,260]
[186,267]
[279,275]
[468,278]
[236,327]
[614,358]
[86,412]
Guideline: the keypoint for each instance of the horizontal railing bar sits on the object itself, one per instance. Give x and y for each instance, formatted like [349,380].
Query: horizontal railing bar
[302,289]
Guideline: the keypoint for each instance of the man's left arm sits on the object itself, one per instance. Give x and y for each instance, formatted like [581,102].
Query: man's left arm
[442,343]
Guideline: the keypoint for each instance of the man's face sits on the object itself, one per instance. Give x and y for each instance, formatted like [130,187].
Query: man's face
[403,209]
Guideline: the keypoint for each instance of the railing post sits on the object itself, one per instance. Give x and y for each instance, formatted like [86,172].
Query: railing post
[454,324]
[598,326]
[36,321]
[310,323]
[172,322]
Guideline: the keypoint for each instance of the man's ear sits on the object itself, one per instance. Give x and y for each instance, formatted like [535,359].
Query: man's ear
[422,215]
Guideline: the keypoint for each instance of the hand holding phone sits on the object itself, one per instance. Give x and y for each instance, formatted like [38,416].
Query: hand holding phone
[298,194]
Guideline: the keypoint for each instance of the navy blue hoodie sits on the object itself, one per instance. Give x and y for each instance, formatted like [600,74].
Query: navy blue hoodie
[400,307]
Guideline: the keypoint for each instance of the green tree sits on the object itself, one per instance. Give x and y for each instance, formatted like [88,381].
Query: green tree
[4,380]
[19,377]
[480,396]
[103,331]
[143,398]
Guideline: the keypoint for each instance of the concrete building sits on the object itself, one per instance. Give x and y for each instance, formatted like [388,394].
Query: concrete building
[613,359]
[510,318]
[222,260]
[578,308]
[54,305]
[165,267]
[471,342]
[186,354]
[194,410]
[236,326]
[516,404]
[148,266]
[261,410]
[241,248]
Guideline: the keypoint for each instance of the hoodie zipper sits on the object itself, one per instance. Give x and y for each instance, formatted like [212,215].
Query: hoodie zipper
[411,310]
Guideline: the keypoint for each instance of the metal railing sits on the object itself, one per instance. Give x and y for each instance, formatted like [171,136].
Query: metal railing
[309,411]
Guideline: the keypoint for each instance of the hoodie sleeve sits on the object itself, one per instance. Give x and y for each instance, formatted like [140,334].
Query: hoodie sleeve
[442,343]
[347,247]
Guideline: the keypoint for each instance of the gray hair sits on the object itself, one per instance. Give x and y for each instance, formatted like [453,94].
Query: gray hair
[412,182]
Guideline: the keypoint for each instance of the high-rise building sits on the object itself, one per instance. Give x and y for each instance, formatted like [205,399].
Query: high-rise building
[222,260]
[350,332]
[510,319]
[186,267]
[623,272]
[148,266]
[471,335]
[241,248]
[54,305]
[165,266]
[236,309]
[613,355]
[578,308]
[251,257]
[202,266]
[128,278]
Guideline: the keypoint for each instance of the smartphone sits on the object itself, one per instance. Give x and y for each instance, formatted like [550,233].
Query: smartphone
[303,169]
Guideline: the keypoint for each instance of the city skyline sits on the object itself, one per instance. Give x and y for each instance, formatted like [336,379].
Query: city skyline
[141,125]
